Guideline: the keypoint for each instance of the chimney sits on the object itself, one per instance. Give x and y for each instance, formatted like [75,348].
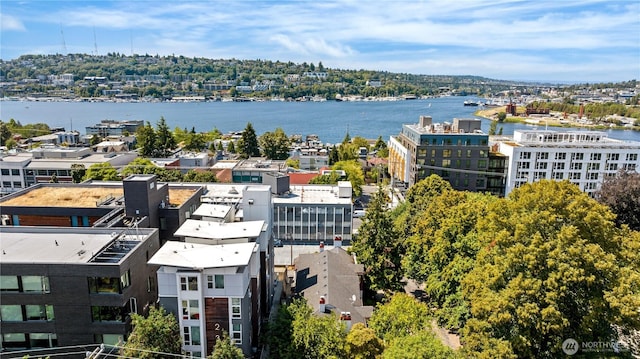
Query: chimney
[346,317]
[337,241]
[321,246]
[322,307]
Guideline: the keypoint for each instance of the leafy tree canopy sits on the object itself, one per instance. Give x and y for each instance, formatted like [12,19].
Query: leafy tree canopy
[275,145]
[102,172]
[154,335]
[622,194]
[402,316]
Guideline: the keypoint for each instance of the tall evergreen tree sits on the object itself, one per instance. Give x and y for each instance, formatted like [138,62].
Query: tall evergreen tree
[164,139]
[146,140]
[378,246]
[249,143]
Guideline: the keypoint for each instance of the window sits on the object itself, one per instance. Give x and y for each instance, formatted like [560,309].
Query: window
[39,312]
[104,285]
[446,163]
[125,280]
[523,165]
[592,176]
[612,167]
[14,341]
[632,157]
[561,156]
[15,172]
[9,283]
[24,284]
[190,309]
[219,279]
[574,176]
[11,313]
[236,306]
[43,340]
[151,284]
[542,155]
[446,153]
[557,175]
[525,155]
[577,156]
[575,166]
[107,314]
[482,163]
[596,157]
[558,165]
[110,339]
[5,172]
[189,283]
[593,167]
[468,153]
[236,333]
[191,335]
[541,165]
[484,154]
[613,156]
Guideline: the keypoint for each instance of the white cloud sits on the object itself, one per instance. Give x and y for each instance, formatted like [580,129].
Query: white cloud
[10,23]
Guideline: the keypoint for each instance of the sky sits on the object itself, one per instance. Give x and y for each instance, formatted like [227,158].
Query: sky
[560,41]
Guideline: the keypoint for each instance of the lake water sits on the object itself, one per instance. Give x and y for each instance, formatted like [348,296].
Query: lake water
[329,120]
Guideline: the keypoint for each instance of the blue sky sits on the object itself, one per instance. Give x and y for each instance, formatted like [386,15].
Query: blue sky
[557,41]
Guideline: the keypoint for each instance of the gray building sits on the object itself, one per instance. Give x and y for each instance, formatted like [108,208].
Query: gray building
[73,286]
[114,128]
[458,152]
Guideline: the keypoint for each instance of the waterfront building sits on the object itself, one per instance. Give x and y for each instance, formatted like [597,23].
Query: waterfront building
[114,128]
[13,172]
[73,286]
[585,158]
[458,152]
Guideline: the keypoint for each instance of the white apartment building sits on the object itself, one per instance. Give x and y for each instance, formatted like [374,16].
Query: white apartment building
[584,158]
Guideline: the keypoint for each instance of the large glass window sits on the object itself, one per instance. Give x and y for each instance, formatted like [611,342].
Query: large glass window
[37,284]
[9,283]
[107,314]
[43,340]
[11,313]
[125,279]
[39,312]
[190,309]
[14,341]
[104,285]
[191,335]
[236,333]
[219,279]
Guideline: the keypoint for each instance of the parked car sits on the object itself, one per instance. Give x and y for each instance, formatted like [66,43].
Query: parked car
[358,213]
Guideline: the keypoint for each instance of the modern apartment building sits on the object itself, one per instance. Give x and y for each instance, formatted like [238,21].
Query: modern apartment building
[458,152]
[585,158]
[73,286]
[219,277]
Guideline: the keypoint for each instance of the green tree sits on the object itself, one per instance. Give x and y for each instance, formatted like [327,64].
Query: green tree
[77,172]
[249,145]
[194,141]
[226,349]
[95,139]
[316,336]
[355,175]
[164,139]
[231,148]
[363,343]
[420,345]
[402,316]
[331,178]
[54,179]
[146,140]
[443,249]
[378,246]
[140,166]
[334,156]
[279,333]
[622,194]
[293,163]
[154,335]
[493,127]
[200,176]
[502,116]
[553,258]
[5,133]
[102,172]
[417,198]
[275,145]
[348,152]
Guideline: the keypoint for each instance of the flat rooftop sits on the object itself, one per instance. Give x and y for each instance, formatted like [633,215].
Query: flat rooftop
[81,196]
[218,230]
[53,245]
[212,210]
[198,256]
[320,194]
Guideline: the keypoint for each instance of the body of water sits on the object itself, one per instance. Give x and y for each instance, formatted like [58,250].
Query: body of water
[329,120]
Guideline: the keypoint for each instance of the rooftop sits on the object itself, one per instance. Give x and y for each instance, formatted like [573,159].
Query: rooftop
[212,210]
[217,230]
[68,245]
[328,194]
[80,195]
[198,256]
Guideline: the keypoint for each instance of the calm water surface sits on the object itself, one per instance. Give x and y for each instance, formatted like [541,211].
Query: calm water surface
[329,120]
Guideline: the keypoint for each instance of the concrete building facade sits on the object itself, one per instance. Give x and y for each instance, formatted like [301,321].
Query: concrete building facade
[585,158]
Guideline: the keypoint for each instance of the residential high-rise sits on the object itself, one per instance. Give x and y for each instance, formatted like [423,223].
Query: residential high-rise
[458,152]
